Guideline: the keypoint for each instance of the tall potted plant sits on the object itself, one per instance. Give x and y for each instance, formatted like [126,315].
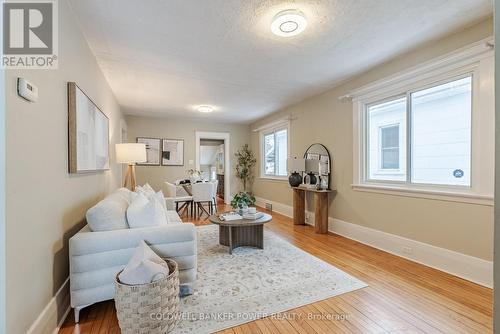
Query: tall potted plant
[245,160]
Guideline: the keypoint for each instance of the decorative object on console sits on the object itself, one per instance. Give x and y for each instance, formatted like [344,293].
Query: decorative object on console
[152,150]
[172,152]
[245,160]
[295,166]
[310,179]
[130,153]
[317,166]
[88,133]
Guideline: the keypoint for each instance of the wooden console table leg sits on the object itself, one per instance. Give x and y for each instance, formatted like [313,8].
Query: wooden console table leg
[299,207]
[321,212]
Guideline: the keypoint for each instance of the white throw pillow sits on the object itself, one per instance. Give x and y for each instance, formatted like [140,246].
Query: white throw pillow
[160,198]
[109,214]
[144,267]
[144,212]
[146,190]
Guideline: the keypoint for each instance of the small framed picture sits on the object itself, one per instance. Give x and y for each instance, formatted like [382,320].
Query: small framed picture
[172,153]
[152,151]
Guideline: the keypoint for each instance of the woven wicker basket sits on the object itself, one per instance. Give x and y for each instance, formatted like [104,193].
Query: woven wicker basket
[149,308]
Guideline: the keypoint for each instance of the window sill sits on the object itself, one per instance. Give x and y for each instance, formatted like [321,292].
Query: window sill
[439,195]
[274,178]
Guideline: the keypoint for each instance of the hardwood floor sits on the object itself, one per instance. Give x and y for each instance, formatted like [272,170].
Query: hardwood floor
[402,296]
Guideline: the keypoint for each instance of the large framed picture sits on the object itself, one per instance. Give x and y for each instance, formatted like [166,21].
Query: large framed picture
[172,152]
[152,151]
[88,133]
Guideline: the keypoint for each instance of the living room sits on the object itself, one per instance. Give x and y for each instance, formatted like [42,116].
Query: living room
[288,166]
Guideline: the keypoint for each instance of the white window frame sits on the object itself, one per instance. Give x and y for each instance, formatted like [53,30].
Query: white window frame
[263,131]
[476,60]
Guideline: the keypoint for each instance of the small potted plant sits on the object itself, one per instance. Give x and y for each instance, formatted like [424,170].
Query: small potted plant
[241,201]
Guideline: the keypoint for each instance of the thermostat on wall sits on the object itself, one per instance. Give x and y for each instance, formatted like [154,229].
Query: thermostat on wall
[27,90]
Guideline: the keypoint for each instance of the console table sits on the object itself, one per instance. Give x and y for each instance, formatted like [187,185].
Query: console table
[320,208]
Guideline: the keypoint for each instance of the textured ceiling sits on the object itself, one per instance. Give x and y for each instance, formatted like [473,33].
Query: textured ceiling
[164,57]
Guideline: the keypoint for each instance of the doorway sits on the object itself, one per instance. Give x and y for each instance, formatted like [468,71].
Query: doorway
[212,159]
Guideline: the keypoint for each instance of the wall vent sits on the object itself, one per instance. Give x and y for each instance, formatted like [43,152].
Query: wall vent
[269,206]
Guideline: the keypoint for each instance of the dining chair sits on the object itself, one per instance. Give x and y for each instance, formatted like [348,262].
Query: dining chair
[185,201]
[202,194]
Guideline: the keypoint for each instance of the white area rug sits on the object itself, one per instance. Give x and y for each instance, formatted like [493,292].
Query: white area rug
[253,283]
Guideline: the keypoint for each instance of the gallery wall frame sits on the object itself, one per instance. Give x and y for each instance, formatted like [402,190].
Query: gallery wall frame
[88,133]
[172,153]
[153,150]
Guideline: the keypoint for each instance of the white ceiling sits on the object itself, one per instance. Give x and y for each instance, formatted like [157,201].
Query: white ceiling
[164,57]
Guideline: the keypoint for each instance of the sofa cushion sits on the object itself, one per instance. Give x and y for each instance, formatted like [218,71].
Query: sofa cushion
[110,213]
[144,212]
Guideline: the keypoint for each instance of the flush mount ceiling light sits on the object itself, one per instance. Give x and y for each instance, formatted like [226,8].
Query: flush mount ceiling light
[288,23]
[205,109]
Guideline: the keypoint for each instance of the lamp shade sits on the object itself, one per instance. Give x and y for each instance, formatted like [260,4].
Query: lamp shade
[296,165]
[130,153]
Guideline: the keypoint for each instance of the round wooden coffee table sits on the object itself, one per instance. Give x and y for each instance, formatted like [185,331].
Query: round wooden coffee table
[241,232]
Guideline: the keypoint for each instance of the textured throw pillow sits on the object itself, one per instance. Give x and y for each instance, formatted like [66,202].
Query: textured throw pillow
[144,212]
[144,267]
[109,214]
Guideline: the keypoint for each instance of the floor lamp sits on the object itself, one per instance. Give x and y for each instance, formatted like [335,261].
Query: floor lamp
[130,153]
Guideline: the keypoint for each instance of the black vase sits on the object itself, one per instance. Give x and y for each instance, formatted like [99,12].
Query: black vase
[295,179]
[312,178]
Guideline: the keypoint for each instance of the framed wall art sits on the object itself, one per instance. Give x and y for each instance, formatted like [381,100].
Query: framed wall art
[152,151]
[88,133]
[172,152]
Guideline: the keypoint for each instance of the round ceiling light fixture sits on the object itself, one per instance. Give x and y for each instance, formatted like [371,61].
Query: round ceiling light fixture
[288,23]
[205,109]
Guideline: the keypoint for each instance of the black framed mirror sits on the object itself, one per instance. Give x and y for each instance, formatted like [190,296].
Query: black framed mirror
[317,166]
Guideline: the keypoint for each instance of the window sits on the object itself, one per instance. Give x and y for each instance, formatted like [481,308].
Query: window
[440,141]
[274,152]
[429,131]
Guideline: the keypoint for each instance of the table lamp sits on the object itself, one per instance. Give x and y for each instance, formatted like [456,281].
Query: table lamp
[130,153]
[295,166]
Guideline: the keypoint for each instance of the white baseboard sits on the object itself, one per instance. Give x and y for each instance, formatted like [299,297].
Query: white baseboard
[461,265]
[280,208]
[54,314]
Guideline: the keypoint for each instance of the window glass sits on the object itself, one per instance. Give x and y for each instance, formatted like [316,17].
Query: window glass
[386,154]
[269,154]
[275,152]
[441,133]
[281,152]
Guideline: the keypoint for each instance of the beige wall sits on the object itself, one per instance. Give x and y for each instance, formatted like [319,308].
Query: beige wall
[464,228]
[171,128]
[45,204]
